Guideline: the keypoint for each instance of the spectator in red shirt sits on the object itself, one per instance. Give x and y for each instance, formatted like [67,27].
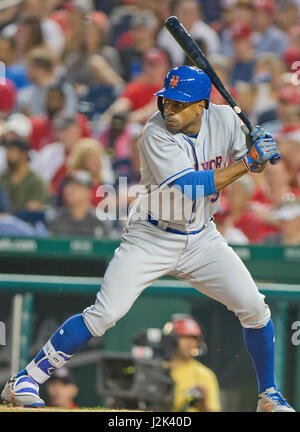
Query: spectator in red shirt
[68,133]
[278,183]
[7,96]
[238,195]
[42,125]
[138,97]
[87,156]
[50,161]
[224,224]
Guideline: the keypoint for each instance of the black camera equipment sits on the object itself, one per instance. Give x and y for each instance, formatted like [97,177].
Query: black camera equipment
[140,380]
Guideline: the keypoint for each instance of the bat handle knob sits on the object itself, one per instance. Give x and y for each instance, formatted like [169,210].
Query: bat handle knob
[275,160]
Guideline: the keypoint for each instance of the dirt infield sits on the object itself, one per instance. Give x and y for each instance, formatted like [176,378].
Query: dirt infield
[5,408]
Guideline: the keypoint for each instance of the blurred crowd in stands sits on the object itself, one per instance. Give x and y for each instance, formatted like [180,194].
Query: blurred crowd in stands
[76,87]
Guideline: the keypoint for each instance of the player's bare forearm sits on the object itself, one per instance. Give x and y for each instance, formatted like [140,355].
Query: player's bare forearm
[225,176]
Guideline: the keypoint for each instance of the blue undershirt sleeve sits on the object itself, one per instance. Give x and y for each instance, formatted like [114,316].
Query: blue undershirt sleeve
[196,184]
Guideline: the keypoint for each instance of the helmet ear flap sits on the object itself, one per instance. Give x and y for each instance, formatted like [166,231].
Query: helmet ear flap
[160,104]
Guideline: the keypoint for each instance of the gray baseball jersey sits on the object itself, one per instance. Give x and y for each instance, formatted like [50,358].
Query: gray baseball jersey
[165,156]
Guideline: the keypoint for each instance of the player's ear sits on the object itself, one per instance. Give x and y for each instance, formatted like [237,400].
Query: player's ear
[201,105]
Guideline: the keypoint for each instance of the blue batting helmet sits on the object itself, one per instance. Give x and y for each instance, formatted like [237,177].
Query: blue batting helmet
[186,84]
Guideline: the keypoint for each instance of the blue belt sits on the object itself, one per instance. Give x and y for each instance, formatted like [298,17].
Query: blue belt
[174,231]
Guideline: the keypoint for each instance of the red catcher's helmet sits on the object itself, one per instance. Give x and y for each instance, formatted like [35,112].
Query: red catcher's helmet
[187,327]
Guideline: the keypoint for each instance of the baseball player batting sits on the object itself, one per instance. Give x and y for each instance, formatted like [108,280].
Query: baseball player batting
[185,148]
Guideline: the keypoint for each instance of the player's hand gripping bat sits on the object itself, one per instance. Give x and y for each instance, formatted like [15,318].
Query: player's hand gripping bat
[189,46]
